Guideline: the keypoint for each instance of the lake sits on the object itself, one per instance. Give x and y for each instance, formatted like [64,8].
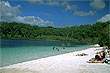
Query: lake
[17,51]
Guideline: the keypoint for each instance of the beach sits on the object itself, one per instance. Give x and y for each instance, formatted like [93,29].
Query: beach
[64,63]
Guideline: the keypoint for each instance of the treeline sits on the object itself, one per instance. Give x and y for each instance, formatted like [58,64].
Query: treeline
[91,34]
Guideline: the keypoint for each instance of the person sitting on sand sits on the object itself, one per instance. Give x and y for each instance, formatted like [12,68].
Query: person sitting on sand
[106,49]
[108,52]
[102,55]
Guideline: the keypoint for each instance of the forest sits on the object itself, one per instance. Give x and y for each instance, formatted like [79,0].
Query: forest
[97,33]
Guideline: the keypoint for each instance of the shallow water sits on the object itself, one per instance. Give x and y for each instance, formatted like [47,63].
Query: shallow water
[16,51]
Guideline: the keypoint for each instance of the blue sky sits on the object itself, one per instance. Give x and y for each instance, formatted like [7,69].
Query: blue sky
[56,13]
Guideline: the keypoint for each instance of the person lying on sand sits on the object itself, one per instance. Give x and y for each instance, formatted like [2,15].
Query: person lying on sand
[95,61]
[98,59]
[82,54]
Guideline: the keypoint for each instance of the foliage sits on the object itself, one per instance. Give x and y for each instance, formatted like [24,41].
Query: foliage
[91,34]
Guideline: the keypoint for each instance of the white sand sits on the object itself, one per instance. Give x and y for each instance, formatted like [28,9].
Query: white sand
[65,63]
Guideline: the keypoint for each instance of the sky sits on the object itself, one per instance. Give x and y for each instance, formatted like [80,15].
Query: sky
[56,13]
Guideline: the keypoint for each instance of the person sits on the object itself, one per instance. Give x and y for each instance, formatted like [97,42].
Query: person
[82,54]
[103,55]
[106,49]
[53,48]
[97,59]
[57,49]
[109,54]
[63,48]
[109,51]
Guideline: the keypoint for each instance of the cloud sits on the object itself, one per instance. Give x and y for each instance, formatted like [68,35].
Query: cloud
[98,4]
[5,3]
[63,3]
[81,13]
[105,18]
[70,7]
[48,2]
[47,14]
[8,14]
[52,3]
[33,21]
[36,1]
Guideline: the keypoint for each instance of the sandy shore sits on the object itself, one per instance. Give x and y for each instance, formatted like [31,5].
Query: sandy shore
[65,63]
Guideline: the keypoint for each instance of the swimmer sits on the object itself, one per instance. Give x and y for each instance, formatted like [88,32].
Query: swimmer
[63,48]
[53,48]
[57,49]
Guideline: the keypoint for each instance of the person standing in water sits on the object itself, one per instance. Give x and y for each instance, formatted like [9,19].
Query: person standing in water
[57,49]
[53,48]
[63,48]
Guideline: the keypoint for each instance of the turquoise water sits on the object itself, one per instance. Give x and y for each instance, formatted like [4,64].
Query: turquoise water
[16,51]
